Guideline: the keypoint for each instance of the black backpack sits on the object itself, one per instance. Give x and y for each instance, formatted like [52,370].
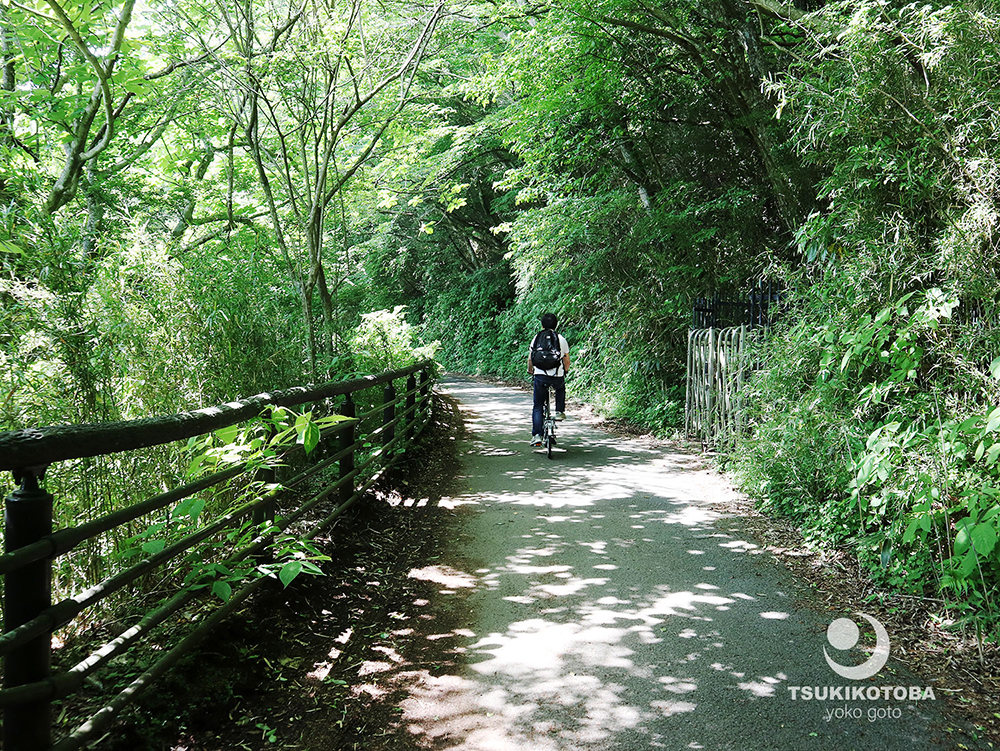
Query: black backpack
[545,351]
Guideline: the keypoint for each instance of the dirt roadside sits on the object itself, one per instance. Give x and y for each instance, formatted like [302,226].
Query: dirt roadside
[314,666]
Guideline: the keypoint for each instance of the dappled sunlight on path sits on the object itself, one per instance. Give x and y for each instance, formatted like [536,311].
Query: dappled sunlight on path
[610,599]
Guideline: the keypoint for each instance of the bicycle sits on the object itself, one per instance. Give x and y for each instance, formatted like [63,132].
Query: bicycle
[548,425]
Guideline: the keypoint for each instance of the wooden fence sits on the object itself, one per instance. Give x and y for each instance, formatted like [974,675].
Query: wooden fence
[354,452]
[717,364]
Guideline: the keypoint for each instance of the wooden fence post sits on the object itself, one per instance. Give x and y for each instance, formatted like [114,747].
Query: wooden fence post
[27,592]
[347,438]
[388,413]
[267,476]
[411,403]
[425,391]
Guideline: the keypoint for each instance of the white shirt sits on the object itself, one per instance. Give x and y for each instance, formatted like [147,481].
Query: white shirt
[563,351]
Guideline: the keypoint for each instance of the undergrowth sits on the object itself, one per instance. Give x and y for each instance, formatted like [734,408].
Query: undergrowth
[879,432]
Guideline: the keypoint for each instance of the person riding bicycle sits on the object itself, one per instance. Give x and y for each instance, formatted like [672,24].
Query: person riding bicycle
[548,365]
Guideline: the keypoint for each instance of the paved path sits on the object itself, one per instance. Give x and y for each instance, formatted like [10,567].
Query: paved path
[608,600]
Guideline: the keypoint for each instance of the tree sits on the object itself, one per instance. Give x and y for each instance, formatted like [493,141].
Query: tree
[315,97]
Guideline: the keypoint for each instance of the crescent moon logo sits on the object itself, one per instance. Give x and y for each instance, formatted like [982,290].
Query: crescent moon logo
[843,634]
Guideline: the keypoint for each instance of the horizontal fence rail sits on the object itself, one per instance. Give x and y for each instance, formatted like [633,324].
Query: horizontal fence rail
[356,450]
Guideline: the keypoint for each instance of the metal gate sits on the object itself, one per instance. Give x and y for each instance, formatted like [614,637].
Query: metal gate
[717,364]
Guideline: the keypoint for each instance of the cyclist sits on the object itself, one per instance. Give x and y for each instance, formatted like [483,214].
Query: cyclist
[551,349]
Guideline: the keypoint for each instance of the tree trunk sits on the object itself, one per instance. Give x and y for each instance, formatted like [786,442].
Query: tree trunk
[329,324]
[95,214]
[306,291]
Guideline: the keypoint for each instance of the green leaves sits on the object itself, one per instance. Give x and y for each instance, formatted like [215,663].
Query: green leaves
[289,571]
[190,508]
[295,557]
[136,84]
[980,538]
[921,523]
[453,198]
[219,578]
[957,502]
[261,441]
[222,589]
[306,431]
[974,544]
[995,369]
[292,558]
[152,547]
[385,340]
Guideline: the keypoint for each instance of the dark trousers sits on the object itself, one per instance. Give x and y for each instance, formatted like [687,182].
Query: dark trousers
[540,390]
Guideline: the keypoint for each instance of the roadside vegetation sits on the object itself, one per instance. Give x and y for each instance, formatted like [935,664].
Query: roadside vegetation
[202,200]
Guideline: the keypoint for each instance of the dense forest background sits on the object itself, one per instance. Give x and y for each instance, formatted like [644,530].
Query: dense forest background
[200,200]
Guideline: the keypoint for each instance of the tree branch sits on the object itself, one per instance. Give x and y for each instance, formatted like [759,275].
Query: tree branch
[783,11]
[77,153]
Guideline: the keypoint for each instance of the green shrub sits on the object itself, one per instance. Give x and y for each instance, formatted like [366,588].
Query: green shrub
[384,340]
[877,432]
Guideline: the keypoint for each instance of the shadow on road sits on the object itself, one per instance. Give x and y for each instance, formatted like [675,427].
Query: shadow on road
[611,599]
